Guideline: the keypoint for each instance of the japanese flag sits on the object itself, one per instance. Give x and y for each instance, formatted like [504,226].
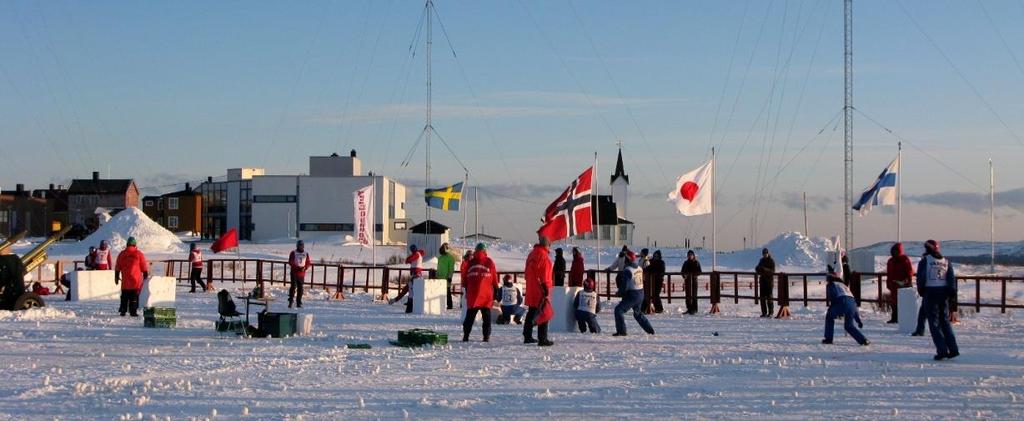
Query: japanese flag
[692,195]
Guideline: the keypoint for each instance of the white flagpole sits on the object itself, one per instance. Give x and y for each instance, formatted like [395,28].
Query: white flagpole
[465,212]
[714,222]
[899,193]
[596,226]
[373,222]
[992,213]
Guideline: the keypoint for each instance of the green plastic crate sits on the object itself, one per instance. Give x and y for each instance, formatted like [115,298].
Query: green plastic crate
[278,325]
[160,322]
[164,312]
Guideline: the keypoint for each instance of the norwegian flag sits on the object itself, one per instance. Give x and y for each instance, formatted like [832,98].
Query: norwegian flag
[569,215]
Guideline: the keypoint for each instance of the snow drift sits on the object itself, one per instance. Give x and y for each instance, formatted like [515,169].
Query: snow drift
[132,222]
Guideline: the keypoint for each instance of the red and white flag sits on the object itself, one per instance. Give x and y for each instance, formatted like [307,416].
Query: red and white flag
[569,215]
[692,195]
[362,209]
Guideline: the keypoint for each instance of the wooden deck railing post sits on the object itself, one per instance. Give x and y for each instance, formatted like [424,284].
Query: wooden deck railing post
[977,295]
[1002,304]
[855,287]
[209,275]
[716,292]
[339,294]
[783,296]
[805,291]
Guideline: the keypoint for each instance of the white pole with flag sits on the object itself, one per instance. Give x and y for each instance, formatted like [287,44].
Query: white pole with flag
[992,213]
[899,193]
[596,202]
[465,212]
[714,222]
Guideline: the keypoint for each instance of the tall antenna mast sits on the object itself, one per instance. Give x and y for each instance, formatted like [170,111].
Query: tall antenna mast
[430,125]
[847,120]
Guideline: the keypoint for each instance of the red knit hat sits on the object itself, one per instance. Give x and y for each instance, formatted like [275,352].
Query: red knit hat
[630,255]
[932,245]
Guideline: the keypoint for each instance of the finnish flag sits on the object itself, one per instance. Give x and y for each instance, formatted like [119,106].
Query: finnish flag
[882,192]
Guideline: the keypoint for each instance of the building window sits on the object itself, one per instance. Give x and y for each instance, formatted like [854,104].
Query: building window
[3,217]
[327,227]
[400,225]
[606,232]
[159,205]
[172,222]
[378,227]
[172,203]
[623,233]
[148,203]
[273,199]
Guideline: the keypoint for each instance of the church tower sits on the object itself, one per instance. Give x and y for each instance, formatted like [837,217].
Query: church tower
[620,188]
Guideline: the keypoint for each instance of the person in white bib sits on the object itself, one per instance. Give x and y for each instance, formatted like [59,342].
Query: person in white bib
[511,302]
[587,305]
[841,303]
[299,262]
[936,282]
[630,282]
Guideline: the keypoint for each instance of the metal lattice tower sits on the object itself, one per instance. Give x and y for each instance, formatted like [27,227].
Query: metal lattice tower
[848,122]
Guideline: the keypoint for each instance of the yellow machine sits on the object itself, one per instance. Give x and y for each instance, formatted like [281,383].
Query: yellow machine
[13,295]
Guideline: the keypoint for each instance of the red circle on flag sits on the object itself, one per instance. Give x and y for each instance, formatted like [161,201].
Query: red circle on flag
[689,190]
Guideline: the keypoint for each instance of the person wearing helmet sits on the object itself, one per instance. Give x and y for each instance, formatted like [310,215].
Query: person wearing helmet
[195,261]
[299,262]
[512,309]
[936,282]
[103,257]
[587,305]
[131,271]
[841,304]
[630,282]
[90,259]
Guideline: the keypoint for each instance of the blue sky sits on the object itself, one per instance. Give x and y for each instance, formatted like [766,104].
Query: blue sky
[170,91]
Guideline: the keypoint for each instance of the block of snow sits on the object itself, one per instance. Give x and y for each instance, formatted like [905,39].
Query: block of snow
[907,306]
[91,285]
[305,327]
[429,296]
[565,314]
[158,291]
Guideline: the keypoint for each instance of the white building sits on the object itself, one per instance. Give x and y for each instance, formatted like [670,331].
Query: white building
[306,206]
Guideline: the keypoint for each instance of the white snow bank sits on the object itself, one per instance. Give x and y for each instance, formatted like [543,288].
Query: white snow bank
[40,313]
[132,222]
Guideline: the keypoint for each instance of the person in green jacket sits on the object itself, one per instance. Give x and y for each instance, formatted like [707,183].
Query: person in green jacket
[445,269]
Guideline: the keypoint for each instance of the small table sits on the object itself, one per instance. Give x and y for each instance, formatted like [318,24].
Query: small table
[255,301]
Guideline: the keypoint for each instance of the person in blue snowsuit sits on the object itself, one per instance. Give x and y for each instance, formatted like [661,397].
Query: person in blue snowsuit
[841,304]
[511,298]
[936,282]
[587,305]
[630,282]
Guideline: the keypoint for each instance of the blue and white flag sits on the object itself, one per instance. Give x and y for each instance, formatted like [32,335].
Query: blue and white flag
[882,192]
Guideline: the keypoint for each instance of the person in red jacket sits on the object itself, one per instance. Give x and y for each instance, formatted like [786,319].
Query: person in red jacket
[195,260]
[299,262]
[103,259]
[899,272]
[131,270]
[577,269]
[480,281]
[538,289]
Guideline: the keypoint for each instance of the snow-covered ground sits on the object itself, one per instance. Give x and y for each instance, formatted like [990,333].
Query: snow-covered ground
[78,360]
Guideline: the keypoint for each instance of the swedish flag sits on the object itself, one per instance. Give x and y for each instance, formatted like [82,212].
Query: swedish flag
[444,198]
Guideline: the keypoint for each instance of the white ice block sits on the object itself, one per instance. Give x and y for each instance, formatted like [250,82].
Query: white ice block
[158,291]
[565,315]
[907,305]
[91,285]
[305,325]
[429,296]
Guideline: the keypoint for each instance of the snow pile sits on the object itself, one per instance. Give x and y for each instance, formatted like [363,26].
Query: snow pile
[39,313]
[132,222]
[790,249]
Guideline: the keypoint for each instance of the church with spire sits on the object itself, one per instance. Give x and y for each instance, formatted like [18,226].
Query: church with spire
[611,211]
